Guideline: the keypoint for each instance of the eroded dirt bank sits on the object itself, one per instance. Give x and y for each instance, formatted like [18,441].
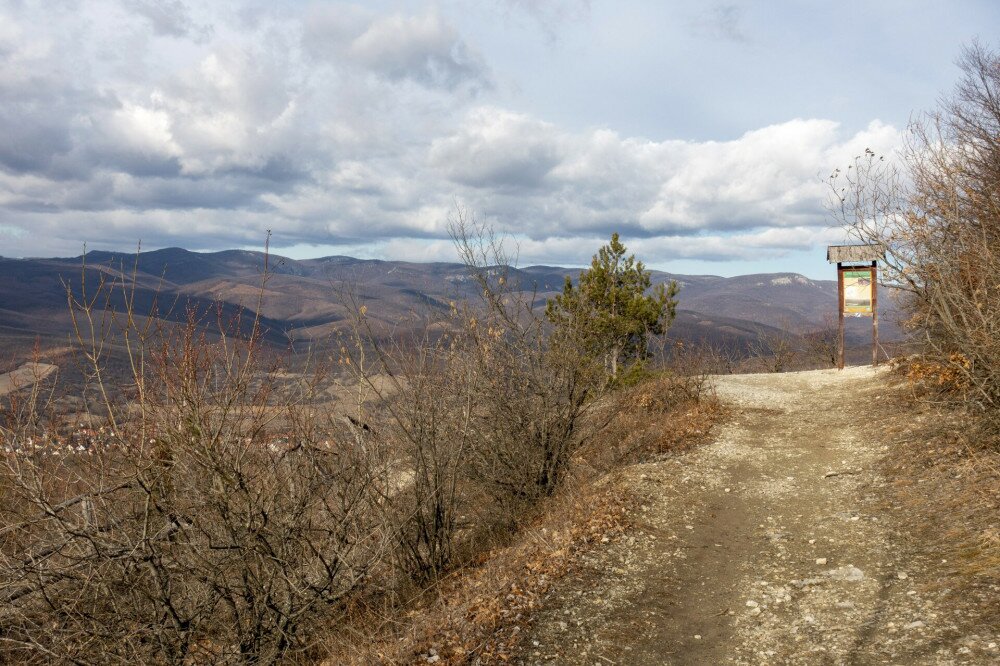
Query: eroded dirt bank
[772,544]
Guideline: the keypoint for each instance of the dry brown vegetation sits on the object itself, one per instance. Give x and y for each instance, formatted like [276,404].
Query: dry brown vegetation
[936,217]
[185,529]
[209,508]
[482,612]
[948,482]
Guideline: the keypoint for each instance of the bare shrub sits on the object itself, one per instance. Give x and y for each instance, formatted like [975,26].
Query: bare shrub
[775,349]
[822,345]
[531,389]
[209,511]
[203,518]
[417,438]
[936,217]
[484,414]
[478,614]
[690,367]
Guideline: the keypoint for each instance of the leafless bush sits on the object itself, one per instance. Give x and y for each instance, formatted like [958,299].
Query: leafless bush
[531,389]
[201,519]
[418,436]
[206,511]
[822,345]
[484,413]
[691,365]
[775,349]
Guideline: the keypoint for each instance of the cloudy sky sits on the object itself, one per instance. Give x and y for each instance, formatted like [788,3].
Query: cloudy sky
[702,132]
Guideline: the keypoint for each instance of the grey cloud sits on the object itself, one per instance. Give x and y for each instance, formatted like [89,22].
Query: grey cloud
[525,169]
[169,17]
[31,206]
[134,163]
[115,154]
[277,173]
[353,127]
[29,143]
[327,30]
[111,191]
[40,115]
[723,22]
[597,181]
[550,15]
[577,249]
[422,48]
[497,149]
[248,114]
[229,193]
[108,146]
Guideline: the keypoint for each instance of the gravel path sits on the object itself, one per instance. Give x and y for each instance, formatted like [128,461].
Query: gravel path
[772,544]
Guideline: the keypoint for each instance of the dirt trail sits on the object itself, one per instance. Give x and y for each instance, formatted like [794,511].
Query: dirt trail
[25,376]
[771,544]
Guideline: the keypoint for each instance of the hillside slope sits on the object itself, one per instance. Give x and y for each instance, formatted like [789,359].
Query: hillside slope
[305,300]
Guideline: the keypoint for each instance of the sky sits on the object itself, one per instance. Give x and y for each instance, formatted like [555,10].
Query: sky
[704,133]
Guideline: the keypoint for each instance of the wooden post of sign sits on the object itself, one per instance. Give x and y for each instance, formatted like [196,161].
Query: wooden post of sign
[874,314]
[856,257]
[840,316]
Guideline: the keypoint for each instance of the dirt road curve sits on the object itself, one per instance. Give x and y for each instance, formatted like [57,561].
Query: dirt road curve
[25,376]
[771,545]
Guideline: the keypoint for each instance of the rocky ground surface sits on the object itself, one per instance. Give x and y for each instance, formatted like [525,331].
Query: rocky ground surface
[775,543]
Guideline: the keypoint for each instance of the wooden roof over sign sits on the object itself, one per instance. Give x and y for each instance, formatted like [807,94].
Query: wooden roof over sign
[853,254]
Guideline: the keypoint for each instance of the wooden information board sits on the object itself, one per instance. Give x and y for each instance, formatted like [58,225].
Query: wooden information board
[857,288]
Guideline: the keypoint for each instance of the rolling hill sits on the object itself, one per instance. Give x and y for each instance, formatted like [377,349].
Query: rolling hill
[304,300]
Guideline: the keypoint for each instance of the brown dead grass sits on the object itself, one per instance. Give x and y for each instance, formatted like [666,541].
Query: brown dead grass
[662,415]
[945,473]
[481,613]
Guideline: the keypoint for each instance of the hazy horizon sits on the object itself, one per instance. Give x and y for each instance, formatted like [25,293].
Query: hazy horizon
[454,261]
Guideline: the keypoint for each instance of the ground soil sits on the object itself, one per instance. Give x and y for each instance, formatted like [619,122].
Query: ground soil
[776,542]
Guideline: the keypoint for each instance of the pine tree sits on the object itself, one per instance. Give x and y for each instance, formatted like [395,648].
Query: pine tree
[609,312]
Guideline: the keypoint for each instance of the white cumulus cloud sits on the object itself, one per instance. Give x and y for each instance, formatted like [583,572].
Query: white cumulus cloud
[339,125]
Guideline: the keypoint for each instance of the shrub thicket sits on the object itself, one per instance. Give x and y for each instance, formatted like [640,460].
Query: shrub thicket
[936,218]
[207,510]
[194,517]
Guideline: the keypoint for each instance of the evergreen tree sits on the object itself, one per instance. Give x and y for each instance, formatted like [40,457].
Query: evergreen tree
[609,312]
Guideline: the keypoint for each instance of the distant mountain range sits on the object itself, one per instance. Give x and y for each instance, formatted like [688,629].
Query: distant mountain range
[303,299]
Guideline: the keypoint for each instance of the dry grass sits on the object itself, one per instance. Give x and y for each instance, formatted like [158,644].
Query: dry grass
[664,414]
[481,613]
[948,481]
